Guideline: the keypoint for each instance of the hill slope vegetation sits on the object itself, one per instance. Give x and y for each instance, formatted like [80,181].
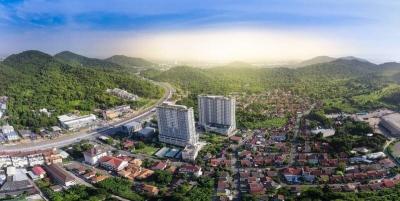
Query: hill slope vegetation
[35,80]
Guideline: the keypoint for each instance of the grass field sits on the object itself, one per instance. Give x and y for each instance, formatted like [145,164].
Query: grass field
[147,149]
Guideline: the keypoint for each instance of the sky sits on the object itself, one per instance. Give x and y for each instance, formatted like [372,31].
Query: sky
[204,31]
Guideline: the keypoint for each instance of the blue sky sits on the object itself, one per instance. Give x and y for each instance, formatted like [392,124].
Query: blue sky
[100,28]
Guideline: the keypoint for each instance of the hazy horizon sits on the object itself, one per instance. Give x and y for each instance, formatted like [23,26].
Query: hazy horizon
[209,32]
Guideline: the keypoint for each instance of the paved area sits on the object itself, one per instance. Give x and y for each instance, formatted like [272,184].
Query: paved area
[65,140]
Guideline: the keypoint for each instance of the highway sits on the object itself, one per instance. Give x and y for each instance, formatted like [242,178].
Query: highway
[67,139]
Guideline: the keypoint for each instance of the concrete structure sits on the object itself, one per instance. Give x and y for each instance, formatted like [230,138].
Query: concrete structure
[131,127]
[73,122]
[147,132]
[29,159]
[16,183]
[391,123]
[176,125]
[93,155]
[123,94]
[9,133]
[59,175]
[190,152]
[217,114]
[116,111]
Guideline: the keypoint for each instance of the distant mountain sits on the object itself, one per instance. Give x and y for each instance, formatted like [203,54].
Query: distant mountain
[79,60]
[354,58]
[390,65]
[130,61]
[315,60]
[339,68]
[238,64]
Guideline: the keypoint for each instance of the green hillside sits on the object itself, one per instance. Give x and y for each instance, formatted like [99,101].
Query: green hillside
[35,80]
[334,82]
[131,62]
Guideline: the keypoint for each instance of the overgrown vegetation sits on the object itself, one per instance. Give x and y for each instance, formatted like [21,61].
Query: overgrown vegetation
[34,80]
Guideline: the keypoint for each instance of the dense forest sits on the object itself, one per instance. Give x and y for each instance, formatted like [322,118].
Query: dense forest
[34,80]
[343,84]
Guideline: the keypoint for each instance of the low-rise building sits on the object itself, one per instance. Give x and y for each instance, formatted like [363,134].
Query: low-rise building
[113,163]
[132,127]
[391,123]
[150,190]
[190,152]
[27,134]
[123,94]
[59,175]
[9,133]
[147,132]
[93,155]
[116,112]
[73,122]
[39,171]
[191,169]
[16,183]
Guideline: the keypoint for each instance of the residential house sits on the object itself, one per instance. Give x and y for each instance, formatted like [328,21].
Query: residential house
[191,169]
[93,155]
[113,163]
[150,190]
[59,175]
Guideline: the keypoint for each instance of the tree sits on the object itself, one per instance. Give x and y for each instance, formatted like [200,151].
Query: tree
[162,177]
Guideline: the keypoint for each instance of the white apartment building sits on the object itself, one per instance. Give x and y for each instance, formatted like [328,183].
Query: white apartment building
[73,122]
[176,125]
[217,113]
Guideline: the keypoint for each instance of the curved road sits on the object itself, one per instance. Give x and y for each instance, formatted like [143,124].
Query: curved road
[65,140]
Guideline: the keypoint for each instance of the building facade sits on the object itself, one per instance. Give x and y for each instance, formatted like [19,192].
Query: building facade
[93,155]
[73,122]
[217,114]
[176,125]
[391,123]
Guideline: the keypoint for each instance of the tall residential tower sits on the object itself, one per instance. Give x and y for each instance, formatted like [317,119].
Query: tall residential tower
[217,114]
[176,125]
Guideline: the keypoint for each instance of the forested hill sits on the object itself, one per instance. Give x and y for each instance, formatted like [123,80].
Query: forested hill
[130,61]
[236,78]
[35,80]
[337,82]
[79,60]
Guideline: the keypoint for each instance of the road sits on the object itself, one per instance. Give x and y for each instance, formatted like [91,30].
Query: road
[294,144]
[68,139]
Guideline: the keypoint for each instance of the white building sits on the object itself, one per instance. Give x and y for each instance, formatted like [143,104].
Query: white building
[19,161]
[5,161]
[7,129]
[9,133]
[73,122]
[190,152]
[93,155]
[176,125]
[217,114]
[391,122]
[123,94]
[35,159]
